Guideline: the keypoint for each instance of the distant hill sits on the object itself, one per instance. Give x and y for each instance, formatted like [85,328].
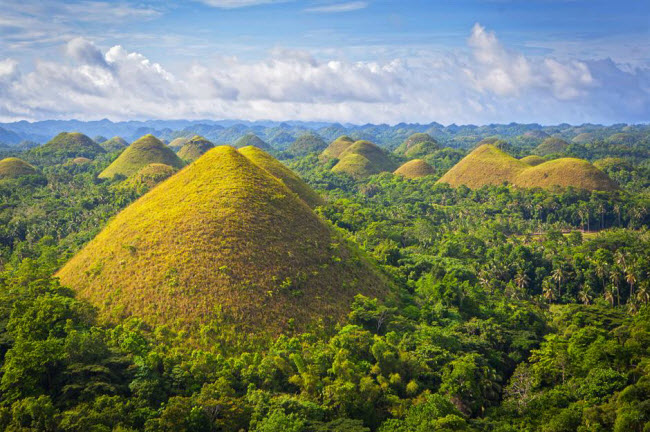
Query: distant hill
[415,168]
[551,145]
[99,139]
[140,153]
[274,167]
[221,238]
[114,144]
[195,148]
[583,138]
[418,145]
[536,134]
[177,143]
[252,140]
[488,165]
[336,147]
[533,160]
[306,144]
[67,145]
[362,159]
[11,168]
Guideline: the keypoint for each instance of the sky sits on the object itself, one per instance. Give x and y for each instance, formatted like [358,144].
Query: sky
[348,61]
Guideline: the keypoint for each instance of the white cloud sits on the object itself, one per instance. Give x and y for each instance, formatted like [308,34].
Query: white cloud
[234,4]
[487,83]
[339,7]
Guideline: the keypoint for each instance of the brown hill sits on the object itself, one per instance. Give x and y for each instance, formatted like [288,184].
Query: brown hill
[415,169]
[139,154]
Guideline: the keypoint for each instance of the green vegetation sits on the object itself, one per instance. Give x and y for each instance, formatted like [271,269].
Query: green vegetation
[533,160]
[66,146]
[362,159]
[415,168]
[274,167]
[418,145]
[114,144]
[12,168]
[194,148]
[146,178]
[80,161]
[140,153]
[306,144]
[336,147]
[552,145]
[252,140]
[177,143]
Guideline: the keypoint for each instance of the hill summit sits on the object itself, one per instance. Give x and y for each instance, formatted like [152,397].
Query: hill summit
[362,159]
[336,147]
[140,153]
[11,168]
[415,168]
[252,140]
[221,237]
[194,148]
[307,143]
[418,145]
[114,144]
[68,145]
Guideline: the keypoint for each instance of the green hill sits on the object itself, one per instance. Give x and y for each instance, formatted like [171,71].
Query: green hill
[306,144]
[362,159]
[267,162]
[195,148]
[177,143]
[533,160]
[140,153]
[583,138]
[566,172]
[418,145]
[613,164]
[415,168]
[80,161]
[336,147]
[11,168]
[147,177]
[252,140]
[68,145]
[486,165]
[114,144]
[223,238]
[551,145]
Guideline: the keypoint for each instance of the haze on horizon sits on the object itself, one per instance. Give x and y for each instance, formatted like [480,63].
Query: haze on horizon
[348,61]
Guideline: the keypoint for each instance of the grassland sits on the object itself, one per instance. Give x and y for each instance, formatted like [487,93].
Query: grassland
[68,145]
[114,144]
[194,148]
[306,144]
[533,160]
[12,167]
[336,147]
[551,145]
[362,159]
[418,145]
[252,140]
[148,177]
[140,153]
[415,168]
[566,172]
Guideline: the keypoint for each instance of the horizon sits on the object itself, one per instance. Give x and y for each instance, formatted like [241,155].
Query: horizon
[474,62]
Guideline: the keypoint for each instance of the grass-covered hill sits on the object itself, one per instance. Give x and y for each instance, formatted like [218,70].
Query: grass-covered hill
[418,145]
[583,138]
[252,140]
[177,143]
[67,145]
[221,239]
[114,144]
[362,159]
[195,148]
[147,177]
[415,168]
[533,160]
[538,134]
[551,145]
[306,144]
[566,172]
[336,147]
[11,168]
[278,170]
[79,161]
[140,153]
[486,165]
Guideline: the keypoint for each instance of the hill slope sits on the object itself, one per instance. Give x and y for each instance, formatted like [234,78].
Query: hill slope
[195,148]
[362,159]
[415,168]
[147,177]
[533,160]
[336,147]
[551,145]
[252,140]
[67,145]
[566,172]
[486,165]
[222,234]
[307,143]
[114,144]
[267,162]
[140,153]
[12,167]
[418,145]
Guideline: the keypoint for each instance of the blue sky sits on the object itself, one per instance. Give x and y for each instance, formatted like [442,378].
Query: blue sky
[358,61]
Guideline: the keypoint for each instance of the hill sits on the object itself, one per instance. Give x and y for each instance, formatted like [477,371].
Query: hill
[67,145]
[177,143]
[147,177]
[538,134]
[221,238]
[140,153]
[114,144]
[552,145]
[583,138]
[533,160]
[79,161]
[11,168]
[415,168]
[362,159]
[336,147]
[566,172]
[486,165]
[306,144]
[195,148]
[267,162]
[252,140]
[418,145]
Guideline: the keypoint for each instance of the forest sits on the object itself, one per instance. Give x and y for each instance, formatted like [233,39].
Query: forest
[508,308]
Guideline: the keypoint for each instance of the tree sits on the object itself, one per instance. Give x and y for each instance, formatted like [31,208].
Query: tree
[559,275]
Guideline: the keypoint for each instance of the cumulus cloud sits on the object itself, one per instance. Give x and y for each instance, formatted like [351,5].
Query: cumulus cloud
[485,83]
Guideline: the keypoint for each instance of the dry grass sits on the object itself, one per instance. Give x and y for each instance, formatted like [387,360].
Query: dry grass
[114,144]
[566,172]
[69,145]
[551,145]
[148,177]
[415,169]
[533,160]
[418,145]
[139,154]
[13,168]
[336,147]
[362,159]
[221,234]
[195,148]
[252,140]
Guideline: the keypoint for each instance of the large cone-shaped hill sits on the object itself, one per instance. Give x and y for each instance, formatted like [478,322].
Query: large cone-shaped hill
[67,145]
[533,160]
[415,168]
[267,162]
[336,147]
[195,148]
[11,168]
[139,154]
[488,165]
[418,145]
[307,143]
[114,144]
[252,140]
[222,236]
[362,159]
[177,143]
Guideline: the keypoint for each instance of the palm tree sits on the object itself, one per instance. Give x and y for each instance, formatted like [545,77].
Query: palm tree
[521,279]
[616,279]
[632,307]
[630,278]
[643,293]
[547,290]
[609,296]
[558,275]
[585,294]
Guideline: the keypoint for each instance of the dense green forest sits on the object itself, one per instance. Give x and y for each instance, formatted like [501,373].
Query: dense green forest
[515,310]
